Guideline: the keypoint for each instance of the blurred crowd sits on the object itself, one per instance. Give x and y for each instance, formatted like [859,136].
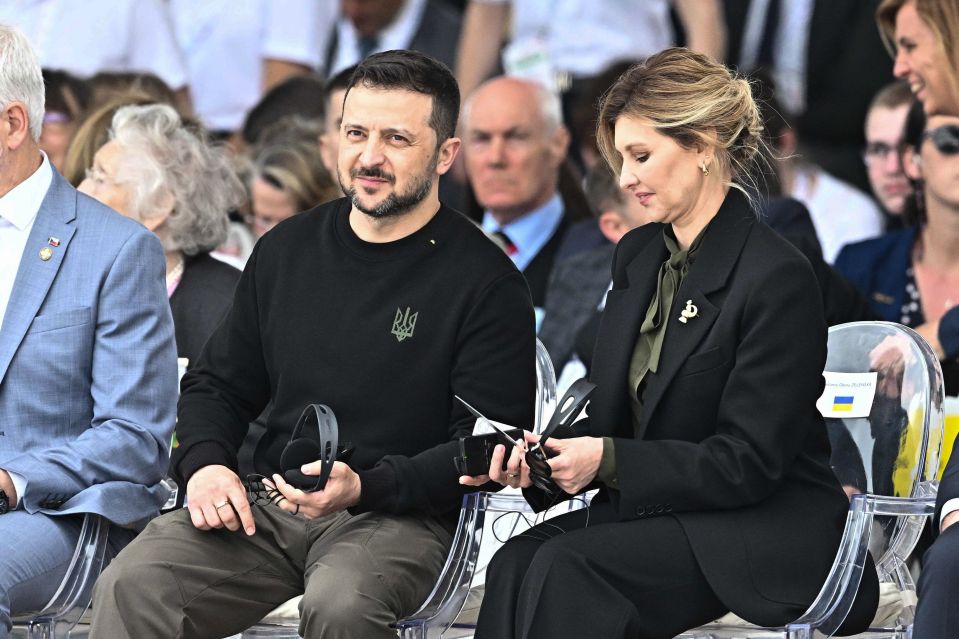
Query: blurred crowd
[252,91]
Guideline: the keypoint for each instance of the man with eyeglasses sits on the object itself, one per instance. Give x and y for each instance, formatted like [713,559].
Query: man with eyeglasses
[884,128]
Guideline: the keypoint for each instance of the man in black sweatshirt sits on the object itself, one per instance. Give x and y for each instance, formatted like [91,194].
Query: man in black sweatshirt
[381,306]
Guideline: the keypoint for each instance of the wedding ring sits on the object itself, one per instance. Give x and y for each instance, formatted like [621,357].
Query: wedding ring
[221,505]
[512,475]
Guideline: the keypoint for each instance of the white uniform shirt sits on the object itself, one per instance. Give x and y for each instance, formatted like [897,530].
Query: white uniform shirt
[584,37]
[225,43]
[88,36]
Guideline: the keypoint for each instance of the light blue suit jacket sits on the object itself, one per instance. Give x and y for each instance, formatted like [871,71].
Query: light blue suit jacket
[88,364]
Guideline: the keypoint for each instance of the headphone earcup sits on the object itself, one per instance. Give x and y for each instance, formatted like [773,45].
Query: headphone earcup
[298,452]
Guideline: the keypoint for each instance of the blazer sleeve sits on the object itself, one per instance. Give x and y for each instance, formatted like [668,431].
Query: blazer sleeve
[132,384]
[766,411]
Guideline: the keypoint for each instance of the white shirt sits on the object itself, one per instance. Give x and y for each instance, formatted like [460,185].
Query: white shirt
[84,37]
[18,212]
[225,43]
[397,35]
[840,212]
[530,232]
[583,37]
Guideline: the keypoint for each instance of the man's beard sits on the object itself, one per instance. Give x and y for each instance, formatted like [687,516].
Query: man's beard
[395,204]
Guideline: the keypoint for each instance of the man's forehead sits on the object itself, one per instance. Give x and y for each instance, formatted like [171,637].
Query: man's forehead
[382,107]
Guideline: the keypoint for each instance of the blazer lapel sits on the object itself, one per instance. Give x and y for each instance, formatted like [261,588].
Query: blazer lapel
[55,219]
[619,329]
[720,251]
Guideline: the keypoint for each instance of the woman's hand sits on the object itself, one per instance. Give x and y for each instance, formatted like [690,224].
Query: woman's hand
[516,474]
[576,462]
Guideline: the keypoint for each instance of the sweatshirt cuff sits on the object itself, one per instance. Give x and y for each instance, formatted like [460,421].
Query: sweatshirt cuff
[208,453]
[377,490]
[607,465]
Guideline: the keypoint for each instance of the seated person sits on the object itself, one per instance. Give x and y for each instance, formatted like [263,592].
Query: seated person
[159,173]
[87,358]
[706,503]
[382,306]
[911,275]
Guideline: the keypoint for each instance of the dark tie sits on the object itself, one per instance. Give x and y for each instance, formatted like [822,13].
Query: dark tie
[368,45]
[511,249]
[765,57]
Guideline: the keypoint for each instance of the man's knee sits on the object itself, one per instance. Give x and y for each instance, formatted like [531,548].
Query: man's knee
[513,559]
[343,606]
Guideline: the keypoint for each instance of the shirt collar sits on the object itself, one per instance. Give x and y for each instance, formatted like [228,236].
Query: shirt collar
[530,232]
[22,203]
[397,35]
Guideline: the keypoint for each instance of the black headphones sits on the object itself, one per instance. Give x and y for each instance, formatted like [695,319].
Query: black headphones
[319,442]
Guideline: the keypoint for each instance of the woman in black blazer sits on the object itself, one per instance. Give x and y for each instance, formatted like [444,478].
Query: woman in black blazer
[703,435]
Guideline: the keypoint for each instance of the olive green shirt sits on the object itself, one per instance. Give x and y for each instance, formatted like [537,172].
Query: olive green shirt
[652,332]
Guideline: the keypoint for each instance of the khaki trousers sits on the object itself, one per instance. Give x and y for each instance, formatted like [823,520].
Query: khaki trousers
[357,574]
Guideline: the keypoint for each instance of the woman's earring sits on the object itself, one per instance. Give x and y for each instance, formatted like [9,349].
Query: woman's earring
[704,168]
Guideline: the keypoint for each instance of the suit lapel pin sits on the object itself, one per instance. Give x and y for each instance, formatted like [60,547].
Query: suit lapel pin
[53,241]
[46,253]
[689,312]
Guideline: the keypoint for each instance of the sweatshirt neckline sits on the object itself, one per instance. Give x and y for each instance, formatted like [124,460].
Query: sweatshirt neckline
[425,239]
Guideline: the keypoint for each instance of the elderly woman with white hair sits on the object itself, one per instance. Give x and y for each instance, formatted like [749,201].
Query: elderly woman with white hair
[157,171]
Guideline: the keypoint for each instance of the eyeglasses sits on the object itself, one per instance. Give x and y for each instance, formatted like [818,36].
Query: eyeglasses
[945,138]
[98,177]
[878,152]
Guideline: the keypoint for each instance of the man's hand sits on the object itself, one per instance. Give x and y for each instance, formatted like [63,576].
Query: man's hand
[6,485]
[516,474]
[342,490]
[950,519]
[576,462]
[216,499]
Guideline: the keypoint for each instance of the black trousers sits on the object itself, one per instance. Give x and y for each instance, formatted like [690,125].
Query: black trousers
[937,615]
[585,574]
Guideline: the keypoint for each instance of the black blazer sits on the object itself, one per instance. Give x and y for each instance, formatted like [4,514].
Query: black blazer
[200,302]
[731,442]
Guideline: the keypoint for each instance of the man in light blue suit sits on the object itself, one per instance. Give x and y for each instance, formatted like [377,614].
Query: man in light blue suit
[87,357]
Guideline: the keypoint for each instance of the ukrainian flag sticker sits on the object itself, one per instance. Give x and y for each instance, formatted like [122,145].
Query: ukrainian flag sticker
[842,403]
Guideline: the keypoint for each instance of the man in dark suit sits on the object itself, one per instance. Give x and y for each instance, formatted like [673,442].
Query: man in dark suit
[514,146]
[368,26]
[827,52]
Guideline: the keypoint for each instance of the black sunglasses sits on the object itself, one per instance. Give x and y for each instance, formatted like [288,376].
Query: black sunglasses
[945,138]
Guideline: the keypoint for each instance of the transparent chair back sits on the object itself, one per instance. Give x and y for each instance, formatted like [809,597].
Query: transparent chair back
[883,408]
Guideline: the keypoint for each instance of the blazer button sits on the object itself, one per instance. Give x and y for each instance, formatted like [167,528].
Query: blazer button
[640,511]
[669,508]
[659,509]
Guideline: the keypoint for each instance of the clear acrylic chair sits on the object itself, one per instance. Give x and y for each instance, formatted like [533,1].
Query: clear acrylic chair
[61,614]
[469,554]
[886,460]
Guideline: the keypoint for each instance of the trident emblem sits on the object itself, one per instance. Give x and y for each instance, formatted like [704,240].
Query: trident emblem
[689,312]
[403,324]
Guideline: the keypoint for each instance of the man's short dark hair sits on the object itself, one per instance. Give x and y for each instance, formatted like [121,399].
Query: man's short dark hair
[602,189]
[340,79]
[414,71]
[300,95]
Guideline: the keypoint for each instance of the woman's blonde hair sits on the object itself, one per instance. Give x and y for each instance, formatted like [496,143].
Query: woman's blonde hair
[296,168]
[696,102]
[941,16]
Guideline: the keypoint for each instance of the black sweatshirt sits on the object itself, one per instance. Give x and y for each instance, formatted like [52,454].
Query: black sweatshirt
[385,335]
